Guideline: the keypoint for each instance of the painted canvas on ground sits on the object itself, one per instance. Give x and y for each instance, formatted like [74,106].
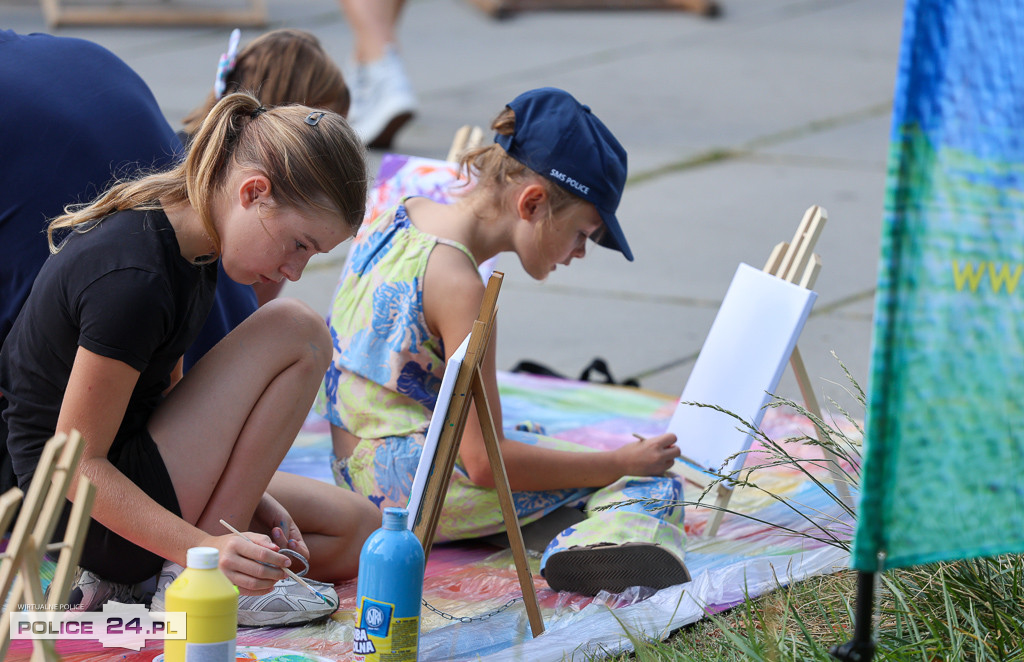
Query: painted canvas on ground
[944,472]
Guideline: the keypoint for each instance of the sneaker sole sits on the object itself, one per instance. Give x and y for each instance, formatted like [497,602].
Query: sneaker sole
[261,619]
[264,619]
[387,135]
[614,568]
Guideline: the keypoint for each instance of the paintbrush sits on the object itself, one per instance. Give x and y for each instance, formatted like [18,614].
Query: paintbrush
[688,460]
[287,571]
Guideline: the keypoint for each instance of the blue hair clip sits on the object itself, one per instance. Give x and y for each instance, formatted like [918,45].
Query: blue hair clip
[226,64]
[314,117]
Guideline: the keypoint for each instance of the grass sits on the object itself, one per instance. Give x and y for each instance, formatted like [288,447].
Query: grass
[964,610]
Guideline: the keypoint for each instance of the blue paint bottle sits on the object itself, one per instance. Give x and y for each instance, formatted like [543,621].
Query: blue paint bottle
[389,592]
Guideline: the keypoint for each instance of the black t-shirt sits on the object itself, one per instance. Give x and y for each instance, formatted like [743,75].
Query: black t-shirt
[121,290]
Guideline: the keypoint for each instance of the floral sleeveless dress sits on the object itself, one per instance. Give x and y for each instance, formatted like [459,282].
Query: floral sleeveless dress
[382,386]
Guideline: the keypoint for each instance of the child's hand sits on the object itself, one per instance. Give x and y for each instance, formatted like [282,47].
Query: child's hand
[283,530]
[650,457]
[250,561]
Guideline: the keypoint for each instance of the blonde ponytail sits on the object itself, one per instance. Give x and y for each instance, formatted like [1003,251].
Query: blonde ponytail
[310,166]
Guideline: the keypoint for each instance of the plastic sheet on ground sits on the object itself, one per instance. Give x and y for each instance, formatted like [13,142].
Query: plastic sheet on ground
[474,583]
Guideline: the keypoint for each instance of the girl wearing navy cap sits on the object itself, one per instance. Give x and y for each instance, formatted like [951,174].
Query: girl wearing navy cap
[410,290]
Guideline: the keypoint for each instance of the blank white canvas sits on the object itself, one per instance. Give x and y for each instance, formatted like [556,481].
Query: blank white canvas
[444,399]
[740,364]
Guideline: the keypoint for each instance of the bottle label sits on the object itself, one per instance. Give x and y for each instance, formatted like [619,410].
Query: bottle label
[380,637]
[221,651]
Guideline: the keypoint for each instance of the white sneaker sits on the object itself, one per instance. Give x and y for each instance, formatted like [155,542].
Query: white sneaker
[382,99]
[168,574]
[89,592]
[288,603]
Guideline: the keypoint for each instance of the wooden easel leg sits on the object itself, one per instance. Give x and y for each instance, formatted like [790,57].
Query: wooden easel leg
[721,501]
[436,489]
[508,509]
[29,516]
[60,481]
[74,539]
[796,262]
[8,505]
[811,402]
[466,138]
[43,650]
[26,589]
[13,600]
[20,565]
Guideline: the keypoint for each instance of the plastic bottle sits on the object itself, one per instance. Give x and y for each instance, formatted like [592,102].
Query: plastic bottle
[388,592]
[210,603]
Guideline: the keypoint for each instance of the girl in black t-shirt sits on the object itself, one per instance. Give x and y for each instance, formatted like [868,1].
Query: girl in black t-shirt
[97,348]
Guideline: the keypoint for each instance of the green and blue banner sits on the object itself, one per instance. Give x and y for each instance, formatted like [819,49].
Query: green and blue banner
[943,476]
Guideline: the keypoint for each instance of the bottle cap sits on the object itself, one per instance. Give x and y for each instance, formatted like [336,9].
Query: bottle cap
[395,519]
[202,558]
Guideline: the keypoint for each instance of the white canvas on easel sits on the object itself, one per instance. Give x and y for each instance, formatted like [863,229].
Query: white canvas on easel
[444,398]
[740,364]
[742,361]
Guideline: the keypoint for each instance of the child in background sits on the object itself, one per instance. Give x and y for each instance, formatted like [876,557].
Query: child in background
[281,67]
[383,100]
[409,294]
[108,319]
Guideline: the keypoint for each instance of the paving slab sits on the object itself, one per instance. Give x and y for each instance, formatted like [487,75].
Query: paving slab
[734,127]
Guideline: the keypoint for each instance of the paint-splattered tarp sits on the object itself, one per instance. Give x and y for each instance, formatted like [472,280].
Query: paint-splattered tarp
[477,584]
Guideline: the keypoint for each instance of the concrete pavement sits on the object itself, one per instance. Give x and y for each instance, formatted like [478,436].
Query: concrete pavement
[734,126]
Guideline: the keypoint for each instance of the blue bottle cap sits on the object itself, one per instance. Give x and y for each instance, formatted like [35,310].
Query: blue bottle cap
[396,519]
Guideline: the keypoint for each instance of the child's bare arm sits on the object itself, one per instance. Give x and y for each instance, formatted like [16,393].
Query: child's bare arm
[451,303]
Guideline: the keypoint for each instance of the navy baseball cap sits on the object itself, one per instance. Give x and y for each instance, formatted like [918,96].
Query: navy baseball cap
[560,139]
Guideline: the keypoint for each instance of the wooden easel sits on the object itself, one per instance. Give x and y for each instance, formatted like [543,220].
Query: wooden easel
[466,138]
[794,262]
[469,386]
[122,13]
[504,8]
[20,563]
[797,263]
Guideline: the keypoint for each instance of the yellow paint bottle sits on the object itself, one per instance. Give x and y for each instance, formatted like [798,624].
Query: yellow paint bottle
[210,603]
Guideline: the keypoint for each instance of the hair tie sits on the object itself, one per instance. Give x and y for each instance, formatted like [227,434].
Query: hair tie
[226,64]
[259,110]
[204,259]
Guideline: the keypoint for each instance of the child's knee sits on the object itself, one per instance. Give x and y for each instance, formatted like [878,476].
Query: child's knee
[297,323]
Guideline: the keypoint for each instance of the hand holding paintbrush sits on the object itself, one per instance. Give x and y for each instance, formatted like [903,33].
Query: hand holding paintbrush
[287,571]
